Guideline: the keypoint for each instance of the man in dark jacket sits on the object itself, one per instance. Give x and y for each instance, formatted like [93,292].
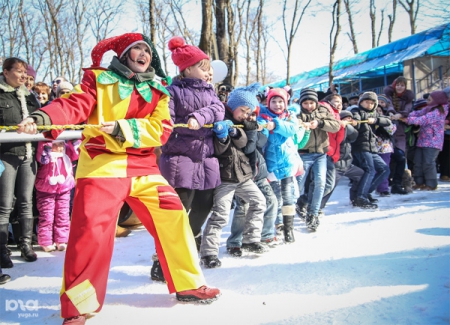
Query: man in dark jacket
[364,149]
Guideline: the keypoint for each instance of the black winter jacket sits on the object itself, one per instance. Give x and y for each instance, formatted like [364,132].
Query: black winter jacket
[346,158]
[366,141]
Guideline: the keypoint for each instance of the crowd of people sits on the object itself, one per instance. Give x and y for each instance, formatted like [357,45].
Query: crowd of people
[183,154]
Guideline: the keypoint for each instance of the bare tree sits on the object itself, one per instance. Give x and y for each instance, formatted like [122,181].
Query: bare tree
[179,20]
[373,17]
[392,20]
[221,33]
[101,15]
[235,22]
[78,10]
[381,27]
[249,29]
[258,39]
[351,35]
[289,33]
[412,9]
[206,31]
[334,34]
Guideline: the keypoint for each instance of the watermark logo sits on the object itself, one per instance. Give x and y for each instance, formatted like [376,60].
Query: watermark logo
[25,308]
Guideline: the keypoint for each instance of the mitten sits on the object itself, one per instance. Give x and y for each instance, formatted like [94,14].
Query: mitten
[233,132]
[221,128]
[250,125]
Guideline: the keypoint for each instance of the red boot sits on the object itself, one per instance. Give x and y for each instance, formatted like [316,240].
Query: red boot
[204,295]
[77,320]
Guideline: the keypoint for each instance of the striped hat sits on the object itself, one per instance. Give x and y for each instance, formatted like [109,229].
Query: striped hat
[308,94]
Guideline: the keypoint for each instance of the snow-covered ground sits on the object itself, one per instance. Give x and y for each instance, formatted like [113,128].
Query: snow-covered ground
[389,266]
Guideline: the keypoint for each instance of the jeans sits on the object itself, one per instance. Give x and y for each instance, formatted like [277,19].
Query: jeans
[375,171]
[240,211]
[425,166]
[17,180]
[284,191]
[384,185]
[317,162]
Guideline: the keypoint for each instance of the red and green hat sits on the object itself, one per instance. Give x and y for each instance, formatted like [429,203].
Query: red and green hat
[121,44]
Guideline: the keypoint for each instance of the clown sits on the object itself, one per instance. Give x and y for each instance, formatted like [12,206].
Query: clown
[117,164]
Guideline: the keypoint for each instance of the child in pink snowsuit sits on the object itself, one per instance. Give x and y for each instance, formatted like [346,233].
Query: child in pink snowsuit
[54,181]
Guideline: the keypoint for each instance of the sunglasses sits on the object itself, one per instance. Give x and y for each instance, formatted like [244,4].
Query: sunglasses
[57,81]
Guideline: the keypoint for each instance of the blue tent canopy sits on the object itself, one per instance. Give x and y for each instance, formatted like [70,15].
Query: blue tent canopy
[378,61]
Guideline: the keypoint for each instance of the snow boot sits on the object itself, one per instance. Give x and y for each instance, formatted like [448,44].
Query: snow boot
[156,273]
[364,203]
[6,262]
[288,229]
[24,245]
[312,222]
[204,295]
[257,248]
[371,198]
[397,189]
[4,278]
[211,261]
[234,251]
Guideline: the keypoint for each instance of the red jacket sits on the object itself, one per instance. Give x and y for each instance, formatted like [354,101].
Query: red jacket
[334,138]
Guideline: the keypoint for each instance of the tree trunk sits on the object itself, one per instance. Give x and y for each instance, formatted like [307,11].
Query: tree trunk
[205,37]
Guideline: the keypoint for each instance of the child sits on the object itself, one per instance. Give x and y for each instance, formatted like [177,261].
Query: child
[401,101]
[54,182]
[365,152]
[257,138]
[385,148]
[283,162]
[236,176]
[117,163]
[187,160]
[314,154]
[430,140]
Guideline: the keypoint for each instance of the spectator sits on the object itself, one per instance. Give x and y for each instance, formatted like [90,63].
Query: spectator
[42,91]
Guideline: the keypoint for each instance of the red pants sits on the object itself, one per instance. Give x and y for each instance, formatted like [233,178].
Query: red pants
[96,206]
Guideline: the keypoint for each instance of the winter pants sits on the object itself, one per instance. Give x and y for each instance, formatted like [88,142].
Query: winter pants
[444,157]
[317,163]
[375,171]
[330,184]
[285,193]
[398,157]
[96,207]
[240,211]
[354,174]
[223,196]
[198,204]
[425,166]
[384,185]
[17,180]
[54,218]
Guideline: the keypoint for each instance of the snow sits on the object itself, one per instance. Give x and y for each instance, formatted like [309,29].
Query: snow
[389,266]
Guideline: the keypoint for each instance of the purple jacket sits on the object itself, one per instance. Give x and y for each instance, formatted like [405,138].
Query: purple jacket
[187,158]
[431,134]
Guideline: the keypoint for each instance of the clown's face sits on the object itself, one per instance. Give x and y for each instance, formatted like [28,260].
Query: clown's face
[139,58]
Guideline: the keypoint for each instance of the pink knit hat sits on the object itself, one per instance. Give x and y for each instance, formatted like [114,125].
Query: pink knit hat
[183,55]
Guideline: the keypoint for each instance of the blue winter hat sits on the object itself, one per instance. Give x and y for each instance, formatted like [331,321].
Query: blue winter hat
[244,96]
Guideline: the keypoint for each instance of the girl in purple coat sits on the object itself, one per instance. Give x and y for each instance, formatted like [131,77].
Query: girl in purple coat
[54,181]
[187,160]
[430,140]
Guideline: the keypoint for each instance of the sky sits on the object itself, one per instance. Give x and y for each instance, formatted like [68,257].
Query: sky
[311,45]
[389,266]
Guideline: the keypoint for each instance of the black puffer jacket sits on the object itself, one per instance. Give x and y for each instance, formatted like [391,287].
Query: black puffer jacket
[11,100]
[255,142]
[346,158]
[366,141]
[233,163]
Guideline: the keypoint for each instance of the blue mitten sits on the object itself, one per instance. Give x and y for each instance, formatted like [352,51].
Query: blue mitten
[221,128]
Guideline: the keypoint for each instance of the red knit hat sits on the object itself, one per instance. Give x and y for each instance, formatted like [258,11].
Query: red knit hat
[278,92]
[183,55]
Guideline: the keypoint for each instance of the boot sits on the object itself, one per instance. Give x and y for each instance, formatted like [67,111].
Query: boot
[288,229]
[24,245]
[4,278]
[198,242]
[156,273]
[6,262]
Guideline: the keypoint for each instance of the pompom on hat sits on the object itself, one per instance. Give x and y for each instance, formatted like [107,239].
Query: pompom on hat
[184,55]
[244,96]
[121,44]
